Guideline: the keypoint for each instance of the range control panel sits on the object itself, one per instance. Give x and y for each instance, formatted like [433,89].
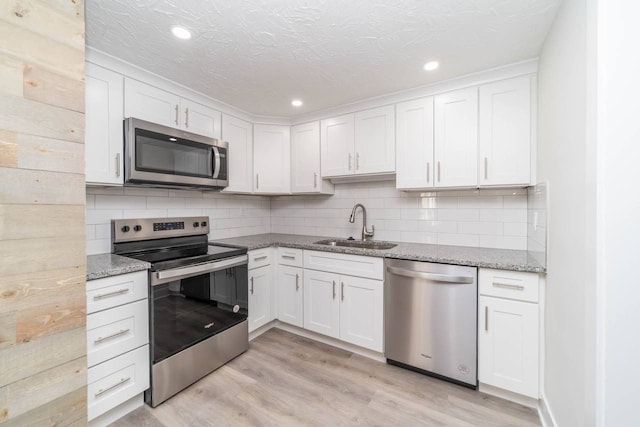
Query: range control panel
[128,230]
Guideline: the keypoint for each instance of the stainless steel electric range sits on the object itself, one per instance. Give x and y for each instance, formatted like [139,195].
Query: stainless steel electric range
[198,298]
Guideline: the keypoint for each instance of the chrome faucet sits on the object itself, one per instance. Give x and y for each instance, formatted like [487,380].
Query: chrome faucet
[365,233]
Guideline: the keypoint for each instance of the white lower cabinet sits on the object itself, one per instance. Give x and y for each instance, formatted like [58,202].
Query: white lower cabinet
[361,305]
[508,331]
[260,280]
[321,307]
[290,295]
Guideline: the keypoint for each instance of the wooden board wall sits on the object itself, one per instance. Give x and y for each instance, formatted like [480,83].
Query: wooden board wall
[43,367]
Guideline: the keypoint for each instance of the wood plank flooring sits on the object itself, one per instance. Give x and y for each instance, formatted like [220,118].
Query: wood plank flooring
[287,380]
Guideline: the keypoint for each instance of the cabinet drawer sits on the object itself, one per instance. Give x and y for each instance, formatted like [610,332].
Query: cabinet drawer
[288,256]
[515,285]
[116,290]
[116,381]
[259,258]
[116,331]
[353,265]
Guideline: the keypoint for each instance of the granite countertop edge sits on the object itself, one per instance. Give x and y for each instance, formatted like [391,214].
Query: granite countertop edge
[107,265]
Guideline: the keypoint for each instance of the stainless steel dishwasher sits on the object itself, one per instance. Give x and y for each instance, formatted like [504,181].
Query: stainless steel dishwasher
[430,319]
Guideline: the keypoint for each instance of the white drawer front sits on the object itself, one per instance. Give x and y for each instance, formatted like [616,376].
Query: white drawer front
[116,331]
[289,256]
[117,380]
[259,258]
[353,265]
[516,285]
[116,290]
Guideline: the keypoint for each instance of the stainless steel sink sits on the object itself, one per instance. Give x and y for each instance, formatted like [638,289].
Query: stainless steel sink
[356,244]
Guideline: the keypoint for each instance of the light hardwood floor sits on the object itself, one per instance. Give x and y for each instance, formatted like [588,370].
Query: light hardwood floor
[287,380]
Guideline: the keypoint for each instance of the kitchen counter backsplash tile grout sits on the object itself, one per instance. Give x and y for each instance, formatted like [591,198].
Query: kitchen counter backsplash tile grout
[474,218]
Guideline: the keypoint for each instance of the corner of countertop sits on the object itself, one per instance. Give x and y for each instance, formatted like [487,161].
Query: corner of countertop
[107,265]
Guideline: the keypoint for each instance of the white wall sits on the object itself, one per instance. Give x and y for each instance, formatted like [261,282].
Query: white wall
[562,163]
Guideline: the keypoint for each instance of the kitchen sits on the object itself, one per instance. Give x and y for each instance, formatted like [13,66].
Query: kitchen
[584,357]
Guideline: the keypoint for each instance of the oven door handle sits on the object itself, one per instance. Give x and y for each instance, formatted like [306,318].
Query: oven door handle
[165,276]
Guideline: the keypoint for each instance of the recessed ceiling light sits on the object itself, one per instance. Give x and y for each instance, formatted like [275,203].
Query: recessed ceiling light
[181,33]
[431,65]
[296,103]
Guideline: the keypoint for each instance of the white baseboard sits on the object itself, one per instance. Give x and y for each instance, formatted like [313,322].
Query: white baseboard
[118,412]
[546,417]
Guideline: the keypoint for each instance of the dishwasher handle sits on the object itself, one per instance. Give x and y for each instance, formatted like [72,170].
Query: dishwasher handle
[431,276]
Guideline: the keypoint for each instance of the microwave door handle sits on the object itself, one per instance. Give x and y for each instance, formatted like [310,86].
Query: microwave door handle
[216,162]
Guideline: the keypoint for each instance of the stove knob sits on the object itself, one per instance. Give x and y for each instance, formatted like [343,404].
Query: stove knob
[196,224]
[137,228]
[125,229]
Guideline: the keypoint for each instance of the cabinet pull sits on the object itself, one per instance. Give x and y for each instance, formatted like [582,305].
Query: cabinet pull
[427,171]
[349,161]
[508,286]
[315,180]
[341,291]
[257,181]
[251,289]
[108,337]
[110,294]
[334,289]
[357,161]
[260,258]
[118,165]
[438,170]
[177,113]
[486,318]
[186,117]
[297,285]
[288,257]
[111,387]
[485,168]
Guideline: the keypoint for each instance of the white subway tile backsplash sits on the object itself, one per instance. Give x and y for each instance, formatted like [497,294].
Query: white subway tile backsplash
[515,229]
[165,202]
[119,201]
[493,228]
[503,242]
[458,239]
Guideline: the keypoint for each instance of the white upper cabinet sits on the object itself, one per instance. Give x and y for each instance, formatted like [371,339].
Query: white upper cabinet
[360,143]
[306,175]
[414,144]
[104,133]
[505,132]
[271,159]
[456,138]
[375,141]
[336,140]
[155,105]
[239,135]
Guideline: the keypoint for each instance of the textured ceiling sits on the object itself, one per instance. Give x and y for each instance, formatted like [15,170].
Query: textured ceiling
[258,55]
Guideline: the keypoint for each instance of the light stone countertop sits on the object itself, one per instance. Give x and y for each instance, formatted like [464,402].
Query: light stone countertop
[503,259]
[106,265]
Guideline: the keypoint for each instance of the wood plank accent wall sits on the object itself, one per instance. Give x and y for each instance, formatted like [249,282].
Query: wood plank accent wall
[43,366]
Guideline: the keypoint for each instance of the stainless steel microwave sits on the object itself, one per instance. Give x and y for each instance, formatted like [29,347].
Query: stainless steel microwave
[160,156]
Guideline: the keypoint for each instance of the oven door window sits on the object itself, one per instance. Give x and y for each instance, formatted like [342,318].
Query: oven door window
[187,311]
[159,153]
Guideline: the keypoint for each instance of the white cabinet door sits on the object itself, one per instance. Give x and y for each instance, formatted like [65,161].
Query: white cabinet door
[414,144]
[305,160]
[337,145]
[456,138]
[290,295]
[375,141]
[272,159]
[505,132]
[361,312]
[151,104]
[259,297]
[200,119]
[508,345]
[104,134]
[321,303]
[239,135]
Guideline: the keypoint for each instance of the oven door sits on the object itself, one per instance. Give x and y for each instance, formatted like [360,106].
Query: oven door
[164,156]
[192,303]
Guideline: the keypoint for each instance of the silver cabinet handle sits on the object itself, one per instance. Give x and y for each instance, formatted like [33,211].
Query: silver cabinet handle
[486,317]
[118,165]
[431,276]
[349,161]
[108,337]
[485,168]
[110,294]
[438,170]
[508,286]
[251,289]
[260,258]
[288,257]
[427,171]
[315,180]
[186,117]
[111,387]
[334,289]
[177,112]
[341,291]
[297,285]
[357,161]
[257,181]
